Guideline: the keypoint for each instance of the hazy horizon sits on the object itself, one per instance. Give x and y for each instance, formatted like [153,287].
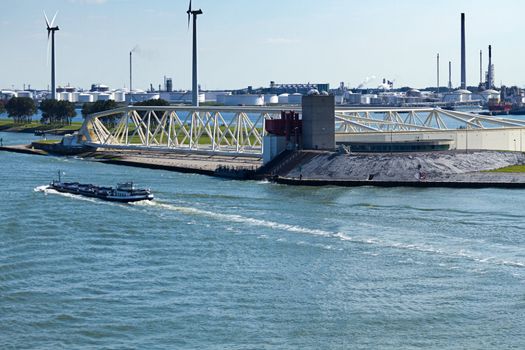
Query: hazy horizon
[251,43]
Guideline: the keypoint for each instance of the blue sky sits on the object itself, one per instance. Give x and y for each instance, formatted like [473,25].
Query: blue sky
[244,42]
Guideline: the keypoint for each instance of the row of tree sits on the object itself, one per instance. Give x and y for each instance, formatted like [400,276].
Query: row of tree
[21,109]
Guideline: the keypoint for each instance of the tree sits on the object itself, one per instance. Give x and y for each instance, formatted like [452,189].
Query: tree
[20,109]
[101,106]
[157,102]
[57,112]
[152,103]
[66,111]
[48,108]
[2,107]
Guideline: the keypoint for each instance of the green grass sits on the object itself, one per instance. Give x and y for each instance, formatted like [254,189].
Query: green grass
[510,169]
[46,142]
[35,125]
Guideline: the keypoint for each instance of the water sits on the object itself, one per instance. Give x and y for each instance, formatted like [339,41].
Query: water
[248,265]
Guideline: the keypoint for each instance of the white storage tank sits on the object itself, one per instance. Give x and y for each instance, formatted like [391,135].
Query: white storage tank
[295,99]
[462,95]
[271,99]
[353,99]
[243,100]
[489,94]
[74,96]
[339,99]
[120,96]
[6,95]
[104,97]
[25,94]
[141,97]
[84,98]
[283,98]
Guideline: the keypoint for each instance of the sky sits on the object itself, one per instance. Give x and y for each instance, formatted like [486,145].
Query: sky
[247,42]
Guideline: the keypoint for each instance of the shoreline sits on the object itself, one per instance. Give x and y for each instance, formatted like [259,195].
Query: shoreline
[250,169]
[414,184]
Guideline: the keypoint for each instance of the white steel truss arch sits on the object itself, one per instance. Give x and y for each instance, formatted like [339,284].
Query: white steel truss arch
[352,120]
[235,130]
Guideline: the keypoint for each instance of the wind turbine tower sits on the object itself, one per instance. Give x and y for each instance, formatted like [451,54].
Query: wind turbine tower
[195,86]
[51,31]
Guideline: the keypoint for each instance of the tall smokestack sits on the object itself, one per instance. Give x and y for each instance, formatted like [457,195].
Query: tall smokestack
[480,67]
[463,63]
[438,73]
[131,71]
[489,75]
[449,75]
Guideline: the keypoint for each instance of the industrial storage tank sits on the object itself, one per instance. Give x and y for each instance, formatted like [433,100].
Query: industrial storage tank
[120,96]
[462,95]
[271,99]
[490,94]
[104,97]
[67,96]
[365,99]
[352,99]
[283,98]
[84,98]
[24,94]
[141,97]
[295,99]
[244,100]
[74,96]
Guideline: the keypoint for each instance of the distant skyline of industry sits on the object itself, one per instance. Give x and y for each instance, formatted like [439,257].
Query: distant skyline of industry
[245,43]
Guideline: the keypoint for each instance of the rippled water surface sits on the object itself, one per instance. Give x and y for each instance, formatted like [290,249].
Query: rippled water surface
[249,265]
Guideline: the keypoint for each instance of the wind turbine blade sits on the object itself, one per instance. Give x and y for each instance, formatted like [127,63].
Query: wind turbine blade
[47,20]
[53,20]
[189,15]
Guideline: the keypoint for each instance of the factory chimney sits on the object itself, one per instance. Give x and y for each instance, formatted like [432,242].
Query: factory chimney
[450,75]
[480,68]
[437,73]
[463,64]
[489,74]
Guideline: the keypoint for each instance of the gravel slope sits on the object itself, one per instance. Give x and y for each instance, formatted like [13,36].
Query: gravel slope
[455,166]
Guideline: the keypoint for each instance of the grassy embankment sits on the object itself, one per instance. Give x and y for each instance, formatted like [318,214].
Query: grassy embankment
[11,126]
[510,169]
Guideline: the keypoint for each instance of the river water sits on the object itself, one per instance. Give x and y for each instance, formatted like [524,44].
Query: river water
[222,264]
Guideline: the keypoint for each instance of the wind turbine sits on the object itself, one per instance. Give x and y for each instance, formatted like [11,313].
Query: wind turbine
[51,31]
[195,86]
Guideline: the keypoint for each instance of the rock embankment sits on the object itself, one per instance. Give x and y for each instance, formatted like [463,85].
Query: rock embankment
[438,166]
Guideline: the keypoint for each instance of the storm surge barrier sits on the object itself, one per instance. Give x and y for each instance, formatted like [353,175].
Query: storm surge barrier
[213,130]
[241,130]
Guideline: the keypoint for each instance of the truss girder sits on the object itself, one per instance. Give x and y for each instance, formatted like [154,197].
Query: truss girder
[415,119]
[237,130]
